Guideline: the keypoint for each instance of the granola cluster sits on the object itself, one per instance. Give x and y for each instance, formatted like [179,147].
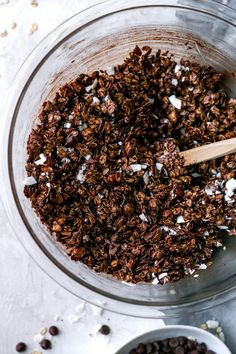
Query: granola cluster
[106,178]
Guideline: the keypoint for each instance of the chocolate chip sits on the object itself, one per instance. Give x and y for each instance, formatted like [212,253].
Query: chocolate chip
[173,342]
[202,347]
[166,349]
[132,351]
[179,350]
[105,330]
[141,349]
[46,344]
[191,344]
[21,347]
[149,348]
[182,340]
[156,345]
[53,330]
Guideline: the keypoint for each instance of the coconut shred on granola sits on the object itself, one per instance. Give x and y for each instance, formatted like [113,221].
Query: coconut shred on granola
[105,176]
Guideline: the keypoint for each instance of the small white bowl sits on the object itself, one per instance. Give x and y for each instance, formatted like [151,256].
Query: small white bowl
[212,342]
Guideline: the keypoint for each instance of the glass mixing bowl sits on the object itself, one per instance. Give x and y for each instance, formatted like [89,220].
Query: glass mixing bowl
[99,37]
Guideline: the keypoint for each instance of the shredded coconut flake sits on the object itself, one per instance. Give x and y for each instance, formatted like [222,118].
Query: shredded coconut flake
[126,283]
[67,125]
[155,281]
[180,220]
[96,310]
[80,176]
[162,275]
[230,188]
[29,181]
[38,338]
[209,191]
[74,318]
[206,233]
[92,87]
[41,160]
[87,157]
[177,68]
[176,102]
[82,127]
[111,70]
[65,160]
[146,177]
[170,231]
[138,167]
[143,217]
[202,266]
[159,166]
[174,82]
[213,171]
[96,100]
[223,227]
[190,271]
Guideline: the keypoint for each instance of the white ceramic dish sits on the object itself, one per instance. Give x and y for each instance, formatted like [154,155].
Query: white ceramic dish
[212,342]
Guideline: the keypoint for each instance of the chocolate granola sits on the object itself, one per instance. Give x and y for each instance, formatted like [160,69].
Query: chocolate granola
[106,178]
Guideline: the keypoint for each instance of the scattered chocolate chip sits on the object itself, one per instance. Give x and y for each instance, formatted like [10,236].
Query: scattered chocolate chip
[46,344]
[53,330]
[21,347]
[105,330]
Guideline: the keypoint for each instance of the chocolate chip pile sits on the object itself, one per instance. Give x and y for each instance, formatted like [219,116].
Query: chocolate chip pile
[105,177]
[175,345]
[44,342]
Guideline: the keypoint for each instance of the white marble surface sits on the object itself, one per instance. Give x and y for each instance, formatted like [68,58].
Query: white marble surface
[29,299]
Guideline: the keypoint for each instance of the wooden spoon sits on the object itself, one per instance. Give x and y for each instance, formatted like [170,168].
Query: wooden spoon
[209,151]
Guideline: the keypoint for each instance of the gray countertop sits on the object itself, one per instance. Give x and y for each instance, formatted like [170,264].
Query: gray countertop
[29,298]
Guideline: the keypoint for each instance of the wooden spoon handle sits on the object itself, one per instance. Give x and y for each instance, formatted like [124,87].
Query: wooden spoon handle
[209,152]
